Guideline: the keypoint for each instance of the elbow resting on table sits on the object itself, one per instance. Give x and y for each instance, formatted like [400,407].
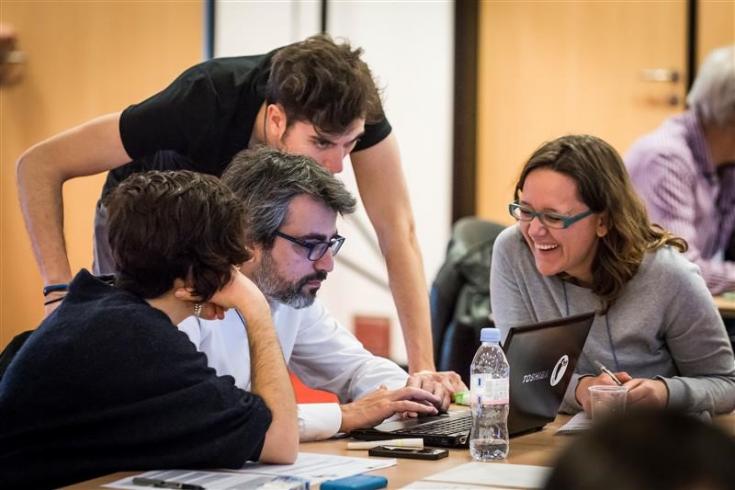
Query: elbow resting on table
[281,446]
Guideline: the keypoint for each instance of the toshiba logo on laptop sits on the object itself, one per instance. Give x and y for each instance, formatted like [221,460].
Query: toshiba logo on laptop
[556,374]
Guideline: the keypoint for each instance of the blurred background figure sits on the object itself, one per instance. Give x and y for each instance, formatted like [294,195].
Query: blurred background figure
[685,173]
[685,170]
[648,450]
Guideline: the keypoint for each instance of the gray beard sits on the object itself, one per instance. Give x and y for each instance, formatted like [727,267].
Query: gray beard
[278,289]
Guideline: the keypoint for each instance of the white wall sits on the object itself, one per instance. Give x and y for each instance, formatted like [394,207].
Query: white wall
[409,47]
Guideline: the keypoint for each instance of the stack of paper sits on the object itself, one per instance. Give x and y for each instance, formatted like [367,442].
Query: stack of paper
[576,424]
[312,467]
[486,476]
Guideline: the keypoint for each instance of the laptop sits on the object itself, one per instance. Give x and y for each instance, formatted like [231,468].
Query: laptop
[542,358]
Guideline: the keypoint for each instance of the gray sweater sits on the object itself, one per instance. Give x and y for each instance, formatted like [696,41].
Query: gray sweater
[664,325]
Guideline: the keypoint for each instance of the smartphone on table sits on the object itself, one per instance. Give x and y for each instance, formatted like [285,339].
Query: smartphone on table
[408,452]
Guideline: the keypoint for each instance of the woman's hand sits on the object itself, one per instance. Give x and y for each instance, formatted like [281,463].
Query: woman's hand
[240,292]
[647,393]
[582,391]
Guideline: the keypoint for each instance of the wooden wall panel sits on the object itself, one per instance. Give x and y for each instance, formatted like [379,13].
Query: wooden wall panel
[83,59]
[552,68]
[716,26]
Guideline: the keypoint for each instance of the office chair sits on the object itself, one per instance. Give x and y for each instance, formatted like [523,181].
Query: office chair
[460,295]
[11,349]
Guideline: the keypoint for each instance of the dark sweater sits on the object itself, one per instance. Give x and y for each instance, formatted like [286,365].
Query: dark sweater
[107,383]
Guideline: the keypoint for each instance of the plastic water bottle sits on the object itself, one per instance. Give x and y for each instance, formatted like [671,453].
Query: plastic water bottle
[489,397]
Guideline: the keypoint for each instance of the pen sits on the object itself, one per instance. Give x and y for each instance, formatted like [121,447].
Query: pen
[417,443]
[156,483]
[605,370]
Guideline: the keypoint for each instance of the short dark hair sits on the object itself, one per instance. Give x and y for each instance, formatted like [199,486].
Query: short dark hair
[266,180]
[175,225]
[324,83]
[647,450]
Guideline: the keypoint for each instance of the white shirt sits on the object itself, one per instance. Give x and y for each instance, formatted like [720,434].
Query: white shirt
[321,352]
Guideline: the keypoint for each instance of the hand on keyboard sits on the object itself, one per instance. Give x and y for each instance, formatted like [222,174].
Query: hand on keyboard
[383,403]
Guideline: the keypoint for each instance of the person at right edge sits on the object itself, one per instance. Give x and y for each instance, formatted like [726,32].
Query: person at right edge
[685,172]
[584,243]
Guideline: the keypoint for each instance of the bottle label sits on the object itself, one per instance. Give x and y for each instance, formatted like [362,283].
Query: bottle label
[489,390]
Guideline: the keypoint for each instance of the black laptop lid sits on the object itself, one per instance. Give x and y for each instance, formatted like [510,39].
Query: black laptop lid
[542,358]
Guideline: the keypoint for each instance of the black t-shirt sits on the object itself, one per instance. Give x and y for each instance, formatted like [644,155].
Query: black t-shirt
[107,383]
[203,119]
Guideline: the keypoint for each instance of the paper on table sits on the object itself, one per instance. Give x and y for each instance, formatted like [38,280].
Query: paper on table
[577,423]
[309,466]
[211,480]
[319,467]
[442,485]
[501,475]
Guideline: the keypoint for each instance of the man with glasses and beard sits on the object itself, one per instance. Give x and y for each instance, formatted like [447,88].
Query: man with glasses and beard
[291,211]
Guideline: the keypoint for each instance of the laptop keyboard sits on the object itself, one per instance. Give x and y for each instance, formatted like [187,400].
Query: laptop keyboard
[441,427]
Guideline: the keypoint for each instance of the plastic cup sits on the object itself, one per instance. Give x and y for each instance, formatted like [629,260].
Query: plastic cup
[607,400]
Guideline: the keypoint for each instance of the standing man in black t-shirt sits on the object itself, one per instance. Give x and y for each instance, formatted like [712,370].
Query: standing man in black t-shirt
[314,97]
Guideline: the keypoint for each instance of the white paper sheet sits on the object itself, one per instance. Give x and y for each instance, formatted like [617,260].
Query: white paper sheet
[211,480]
[580,422]
[486,475]
[437,485]
[309,466]
[317,467]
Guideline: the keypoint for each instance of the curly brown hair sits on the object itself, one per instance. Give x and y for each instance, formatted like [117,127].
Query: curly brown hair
[324,83]
[175,225]
[604,186]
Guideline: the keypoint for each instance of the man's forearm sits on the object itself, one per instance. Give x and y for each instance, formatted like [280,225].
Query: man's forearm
[88,149]
[39,192]
[408,286]
[270,380]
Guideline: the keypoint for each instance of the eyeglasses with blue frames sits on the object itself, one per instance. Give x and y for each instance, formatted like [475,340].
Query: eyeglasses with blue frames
[316,249]
[549,220]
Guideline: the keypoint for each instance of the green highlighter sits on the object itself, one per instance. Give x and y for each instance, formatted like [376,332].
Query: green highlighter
[461,397]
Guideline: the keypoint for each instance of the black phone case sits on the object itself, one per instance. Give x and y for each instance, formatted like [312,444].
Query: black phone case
[410,453]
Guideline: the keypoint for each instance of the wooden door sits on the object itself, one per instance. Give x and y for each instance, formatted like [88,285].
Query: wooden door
[716,26]
[82,59]
[552,68]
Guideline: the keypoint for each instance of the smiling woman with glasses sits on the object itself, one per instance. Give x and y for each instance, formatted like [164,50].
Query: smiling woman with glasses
[316,249]
[592,247]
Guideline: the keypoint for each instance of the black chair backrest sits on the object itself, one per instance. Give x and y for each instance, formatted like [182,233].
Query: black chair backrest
[460,295]
[7,355]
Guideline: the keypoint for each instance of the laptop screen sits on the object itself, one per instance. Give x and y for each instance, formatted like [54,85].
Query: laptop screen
[542,358]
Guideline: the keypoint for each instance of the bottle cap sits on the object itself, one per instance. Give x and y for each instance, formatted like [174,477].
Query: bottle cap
[490,335]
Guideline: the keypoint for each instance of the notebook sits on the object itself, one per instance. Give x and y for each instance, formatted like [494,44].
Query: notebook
[542,358]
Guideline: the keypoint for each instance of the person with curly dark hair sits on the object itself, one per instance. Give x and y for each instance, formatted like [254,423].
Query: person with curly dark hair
[583,242]
[108,383]
[315,98]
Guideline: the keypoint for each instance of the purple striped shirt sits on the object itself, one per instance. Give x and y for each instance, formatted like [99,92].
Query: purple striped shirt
[685,193]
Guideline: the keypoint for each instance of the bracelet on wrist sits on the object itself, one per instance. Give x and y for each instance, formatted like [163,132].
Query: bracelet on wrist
[55,300]
[55,287]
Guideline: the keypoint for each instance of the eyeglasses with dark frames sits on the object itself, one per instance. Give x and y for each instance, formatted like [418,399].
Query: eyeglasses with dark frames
[316,249]
[550,220]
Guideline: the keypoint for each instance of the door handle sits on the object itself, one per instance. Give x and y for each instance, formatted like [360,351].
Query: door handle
[670,75]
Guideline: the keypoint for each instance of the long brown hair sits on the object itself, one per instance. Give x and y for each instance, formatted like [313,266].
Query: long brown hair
[604,186]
